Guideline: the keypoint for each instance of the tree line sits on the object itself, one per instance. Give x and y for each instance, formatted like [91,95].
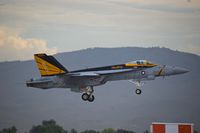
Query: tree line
[50,126]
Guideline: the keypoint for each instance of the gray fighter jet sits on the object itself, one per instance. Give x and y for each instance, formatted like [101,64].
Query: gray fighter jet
[54,75]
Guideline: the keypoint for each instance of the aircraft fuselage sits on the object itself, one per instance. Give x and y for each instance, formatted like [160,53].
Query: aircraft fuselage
[54,75]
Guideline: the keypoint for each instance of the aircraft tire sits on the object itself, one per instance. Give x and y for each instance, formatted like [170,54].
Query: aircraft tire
[91,98]
[138,91]
[85,96]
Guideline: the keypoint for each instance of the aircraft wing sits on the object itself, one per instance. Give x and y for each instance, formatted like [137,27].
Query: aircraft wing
[90,78]
[84,74]
[100,73]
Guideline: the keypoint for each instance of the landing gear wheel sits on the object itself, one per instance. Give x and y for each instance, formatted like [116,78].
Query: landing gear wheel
[138,91]
[91,98]
[85,96]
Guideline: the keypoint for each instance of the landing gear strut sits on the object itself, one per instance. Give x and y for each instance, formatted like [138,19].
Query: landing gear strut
[87,96]
[138,85]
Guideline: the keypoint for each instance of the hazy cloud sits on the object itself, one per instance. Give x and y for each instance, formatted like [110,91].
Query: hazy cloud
[13,46]
[78,24]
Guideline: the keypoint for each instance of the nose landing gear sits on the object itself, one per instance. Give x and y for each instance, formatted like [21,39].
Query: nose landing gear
[138,85]
[138,91]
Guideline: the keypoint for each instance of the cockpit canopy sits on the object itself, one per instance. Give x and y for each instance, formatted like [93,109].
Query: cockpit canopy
[141,62]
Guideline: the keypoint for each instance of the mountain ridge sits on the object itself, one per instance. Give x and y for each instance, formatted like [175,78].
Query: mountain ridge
[172,99]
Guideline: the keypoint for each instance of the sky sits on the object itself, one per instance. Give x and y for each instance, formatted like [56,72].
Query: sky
[53,26]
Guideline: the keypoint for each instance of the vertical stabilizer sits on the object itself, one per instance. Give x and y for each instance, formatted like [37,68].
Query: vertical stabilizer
[48,65]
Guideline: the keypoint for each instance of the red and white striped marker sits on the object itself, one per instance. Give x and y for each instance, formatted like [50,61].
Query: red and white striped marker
[158,127]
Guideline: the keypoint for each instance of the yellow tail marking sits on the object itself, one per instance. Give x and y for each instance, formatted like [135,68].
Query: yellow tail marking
[46,68]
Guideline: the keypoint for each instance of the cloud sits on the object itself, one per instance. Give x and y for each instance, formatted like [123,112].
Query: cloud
[15,47]
[171,23]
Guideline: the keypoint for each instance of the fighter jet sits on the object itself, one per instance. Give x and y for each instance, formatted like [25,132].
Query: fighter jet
[54,75]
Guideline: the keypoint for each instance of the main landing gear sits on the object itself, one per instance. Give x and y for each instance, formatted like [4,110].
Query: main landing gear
[138,85]
[88,95]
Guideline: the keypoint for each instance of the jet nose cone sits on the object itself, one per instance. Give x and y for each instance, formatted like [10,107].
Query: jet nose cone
[179,70]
